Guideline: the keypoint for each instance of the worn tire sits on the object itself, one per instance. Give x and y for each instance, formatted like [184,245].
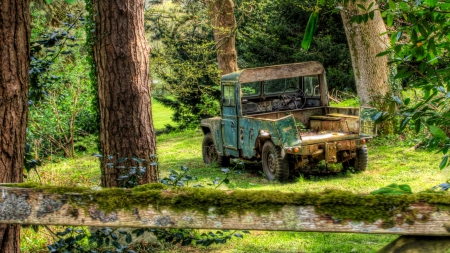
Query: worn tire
[274,162]
[359,163]
[210,154]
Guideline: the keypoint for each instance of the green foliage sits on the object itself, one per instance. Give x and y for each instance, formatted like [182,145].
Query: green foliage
[61,105]
[76,239]
[419,49]
[279,40]
[185,60]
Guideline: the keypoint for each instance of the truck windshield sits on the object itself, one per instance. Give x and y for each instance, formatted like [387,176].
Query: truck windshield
[281,85]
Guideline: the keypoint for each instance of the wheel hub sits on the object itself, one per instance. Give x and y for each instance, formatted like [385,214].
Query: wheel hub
[271,163]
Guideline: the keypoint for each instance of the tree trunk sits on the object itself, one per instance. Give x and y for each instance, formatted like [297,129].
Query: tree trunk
[121,54]
[365,42]
[15,64]
[221,13]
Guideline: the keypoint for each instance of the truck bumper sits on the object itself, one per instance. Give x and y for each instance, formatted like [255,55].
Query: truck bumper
[336,151]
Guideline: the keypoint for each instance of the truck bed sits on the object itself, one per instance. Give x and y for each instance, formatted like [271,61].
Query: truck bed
[320,124]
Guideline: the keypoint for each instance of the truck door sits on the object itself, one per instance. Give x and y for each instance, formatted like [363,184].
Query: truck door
[229,120]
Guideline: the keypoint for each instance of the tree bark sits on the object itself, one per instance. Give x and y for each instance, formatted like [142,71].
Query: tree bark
[121,55]
[221,13]
[15,64]
[365,41]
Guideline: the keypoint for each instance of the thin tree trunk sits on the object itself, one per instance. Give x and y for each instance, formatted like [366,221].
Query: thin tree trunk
[365,42]
[15,64]
[121,54]
[221,13]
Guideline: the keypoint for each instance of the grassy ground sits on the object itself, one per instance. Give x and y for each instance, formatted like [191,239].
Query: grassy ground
[388,164]
[161,116]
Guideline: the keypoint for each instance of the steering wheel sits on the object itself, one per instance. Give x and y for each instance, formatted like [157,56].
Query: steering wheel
[295,101]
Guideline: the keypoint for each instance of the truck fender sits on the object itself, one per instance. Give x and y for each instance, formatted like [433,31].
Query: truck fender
[263,136]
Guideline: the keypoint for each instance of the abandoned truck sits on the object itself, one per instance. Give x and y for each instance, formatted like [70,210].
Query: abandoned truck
[280,115]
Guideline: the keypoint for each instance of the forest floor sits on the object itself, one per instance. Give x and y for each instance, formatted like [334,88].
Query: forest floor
[390,161]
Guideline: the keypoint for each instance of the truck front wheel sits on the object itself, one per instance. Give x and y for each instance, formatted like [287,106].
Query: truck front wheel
[274,162]
[359,163]
[210,154]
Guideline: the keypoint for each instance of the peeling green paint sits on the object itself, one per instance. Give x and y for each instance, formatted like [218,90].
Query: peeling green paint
[337,204]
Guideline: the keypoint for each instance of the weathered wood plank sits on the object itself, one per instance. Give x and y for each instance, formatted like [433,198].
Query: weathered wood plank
[31,206]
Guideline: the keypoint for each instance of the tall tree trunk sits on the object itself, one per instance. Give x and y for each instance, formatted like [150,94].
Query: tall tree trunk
[221,13]
[121,54]
[15,64]
[365,42]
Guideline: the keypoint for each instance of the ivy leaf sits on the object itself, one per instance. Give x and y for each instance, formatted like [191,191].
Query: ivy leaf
[128,238]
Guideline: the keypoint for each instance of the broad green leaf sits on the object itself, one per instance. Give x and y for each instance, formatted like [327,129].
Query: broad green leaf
[423,31]
[377,116]
[405,122]
[361,6]
[390,20]
[365,17]
[391,5]
[371,15]
[48,1]
[393,39]
[413,36]
[437,132]
[407,101]
[70,1]
[417,125]
[309,31]
[444,162]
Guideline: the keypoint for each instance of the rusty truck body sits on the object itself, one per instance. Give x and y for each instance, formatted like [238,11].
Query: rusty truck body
[281,116]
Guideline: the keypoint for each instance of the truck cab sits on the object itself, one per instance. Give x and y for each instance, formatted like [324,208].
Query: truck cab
[280,115]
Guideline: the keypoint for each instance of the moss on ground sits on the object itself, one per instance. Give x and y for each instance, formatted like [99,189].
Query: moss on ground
[335,203]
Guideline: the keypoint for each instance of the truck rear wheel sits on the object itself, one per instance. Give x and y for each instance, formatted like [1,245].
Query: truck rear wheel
[274,162]
[359,163]
[210,154]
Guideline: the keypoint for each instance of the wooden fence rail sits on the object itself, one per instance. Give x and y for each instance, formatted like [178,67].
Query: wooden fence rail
[160,207]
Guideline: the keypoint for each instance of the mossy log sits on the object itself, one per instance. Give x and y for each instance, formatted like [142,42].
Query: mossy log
[159,207]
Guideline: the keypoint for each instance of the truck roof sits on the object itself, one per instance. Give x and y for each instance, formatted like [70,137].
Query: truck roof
[275,72]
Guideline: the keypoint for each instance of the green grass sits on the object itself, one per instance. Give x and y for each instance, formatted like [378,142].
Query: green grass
[161,115]
[387,164]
